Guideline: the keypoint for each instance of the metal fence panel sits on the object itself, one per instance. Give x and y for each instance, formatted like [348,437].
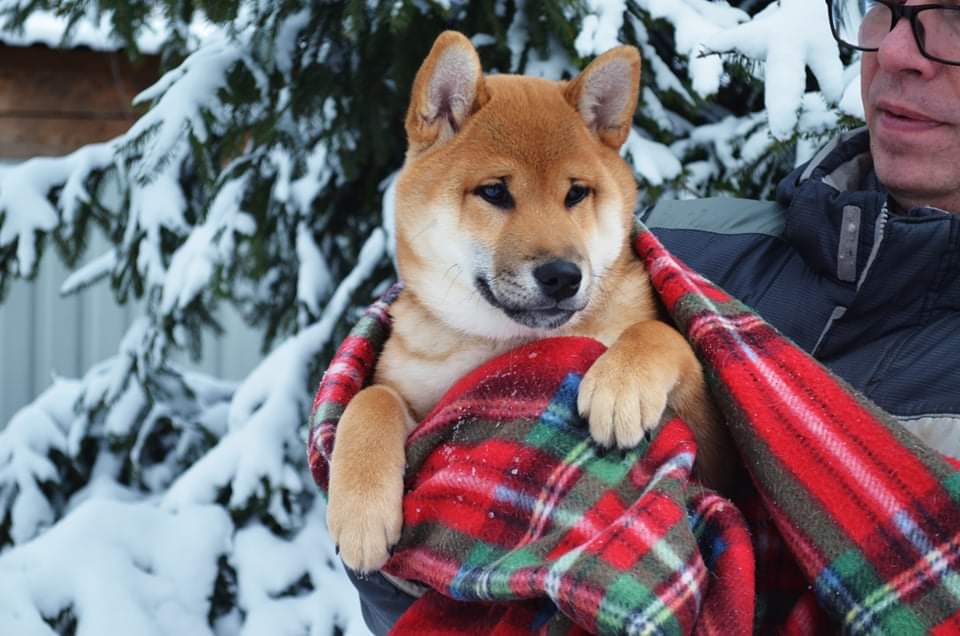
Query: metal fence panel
[43,334]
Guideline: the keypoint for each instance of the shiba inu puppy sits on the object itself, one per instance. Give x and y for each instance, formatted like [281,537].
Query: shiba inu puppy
[513,218]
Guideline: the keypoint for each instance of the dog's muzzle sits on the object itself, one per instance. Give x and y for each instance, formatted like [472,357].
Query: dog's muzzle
[546,302]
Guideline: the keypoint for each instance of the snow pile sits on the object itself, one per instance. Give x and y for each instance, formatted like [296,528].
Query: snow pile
[159,567]
[114,560]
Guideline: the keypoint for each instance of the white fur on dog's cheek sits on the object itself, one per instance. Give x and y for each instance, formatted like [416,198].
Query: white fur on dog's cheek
[437,244]
[445,282]
[606,243]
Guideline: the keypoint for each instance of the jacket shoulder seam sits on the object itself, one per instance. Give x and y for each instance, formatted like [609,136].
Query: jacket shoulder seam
[721,215]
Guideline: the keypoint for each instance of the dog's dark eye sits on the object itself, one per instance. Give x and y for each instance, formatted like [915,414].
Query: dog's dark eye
[576,194]
[496,194]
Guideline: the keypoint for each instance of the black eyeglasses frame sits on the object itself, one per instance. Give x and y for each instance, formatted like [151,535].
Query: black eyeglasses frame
[897,11]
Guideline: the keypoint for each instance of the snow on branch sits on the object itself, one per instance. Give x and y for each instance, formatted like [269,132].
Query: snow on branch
[264,381]
[789,35]
[25,209]
[104,383]
[268,408]
[694,22]
[315,280]
[94,30]
[90,273]
[27,444]
[600,30]
[183,96]
[663,76]
[207,246]
[267,567]
[651,160]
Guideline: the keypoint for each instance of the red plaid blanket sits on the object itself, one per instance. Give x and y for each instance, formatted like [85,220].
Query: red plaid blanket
[518,524]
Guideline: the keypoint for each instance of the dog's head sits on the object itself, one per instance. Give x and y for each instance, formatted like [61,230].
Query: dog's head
[514,202]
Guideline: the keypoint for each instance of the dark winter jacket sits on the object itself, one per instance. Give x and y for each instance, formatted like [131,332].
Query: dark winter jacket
[873,293]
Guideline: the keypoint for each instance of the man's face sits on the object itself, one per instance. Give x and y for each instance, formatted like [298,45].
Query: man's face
[913,111]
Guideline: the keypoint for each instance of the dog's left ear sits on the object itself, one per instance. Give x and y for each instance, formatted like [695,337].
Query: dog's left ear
[605,94]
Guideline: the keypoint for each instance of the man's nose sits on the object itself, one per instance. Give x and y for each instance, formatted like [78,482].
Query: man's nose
[899,52]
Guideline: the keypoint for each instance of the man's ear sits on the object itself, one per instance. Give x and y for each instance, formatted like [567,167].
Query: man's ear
[605,94]
[448,89]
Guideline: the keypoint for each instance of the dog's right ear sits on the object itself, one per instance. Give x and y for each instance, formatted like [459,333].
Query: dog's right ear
[448,89]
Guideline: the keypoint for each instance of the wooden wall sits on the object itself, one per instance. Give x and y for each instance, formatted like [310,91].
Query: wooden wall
[53,101]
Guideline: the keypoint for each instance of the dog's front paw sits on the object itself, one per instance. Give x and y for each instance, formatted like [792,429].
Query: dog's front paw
[623,398]
[365,525]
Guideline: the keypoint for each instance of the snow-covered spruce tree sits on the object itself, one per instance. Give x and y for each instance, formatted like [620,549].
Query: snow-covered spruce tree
[147,499]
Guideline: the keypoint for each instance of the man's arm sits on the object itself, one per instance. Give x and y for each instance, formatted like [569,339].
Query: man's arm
[380,601]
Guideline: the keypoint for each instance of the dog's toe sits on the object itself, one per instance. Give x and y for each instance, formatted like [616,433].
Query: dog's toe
[621,402]
[365,525]
[366,537]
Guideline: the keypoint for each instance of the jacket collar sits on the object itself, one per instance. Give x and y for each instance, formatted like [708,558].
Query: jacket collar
[839,221]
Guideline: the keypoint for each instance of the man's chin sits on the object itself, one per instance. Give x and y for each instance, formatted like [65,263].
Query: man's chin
[915,186]
[916,179]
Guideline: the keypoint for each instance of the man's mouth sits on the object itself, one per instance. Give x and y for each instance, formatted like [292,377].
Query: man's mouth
[546,315]
[901,118]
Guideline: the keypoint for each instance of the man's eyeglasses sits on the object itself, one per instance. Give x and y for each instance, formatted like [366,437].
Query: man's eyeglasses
[862,24]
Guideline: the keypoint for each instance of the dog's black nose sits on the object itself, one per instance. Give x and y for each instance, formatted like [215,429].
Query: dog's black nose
[558,279]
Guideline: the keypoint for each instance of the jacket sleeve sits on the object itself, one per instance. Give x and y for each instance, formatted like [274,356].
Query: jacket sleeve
[381,603]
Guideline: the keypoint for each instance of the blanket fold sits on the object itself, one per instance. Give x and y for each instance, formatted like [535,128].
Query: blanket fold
[518,523]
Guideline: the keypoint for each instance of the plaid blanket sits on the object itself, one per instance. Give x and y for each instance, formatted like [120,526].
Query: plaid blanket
[517,523]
